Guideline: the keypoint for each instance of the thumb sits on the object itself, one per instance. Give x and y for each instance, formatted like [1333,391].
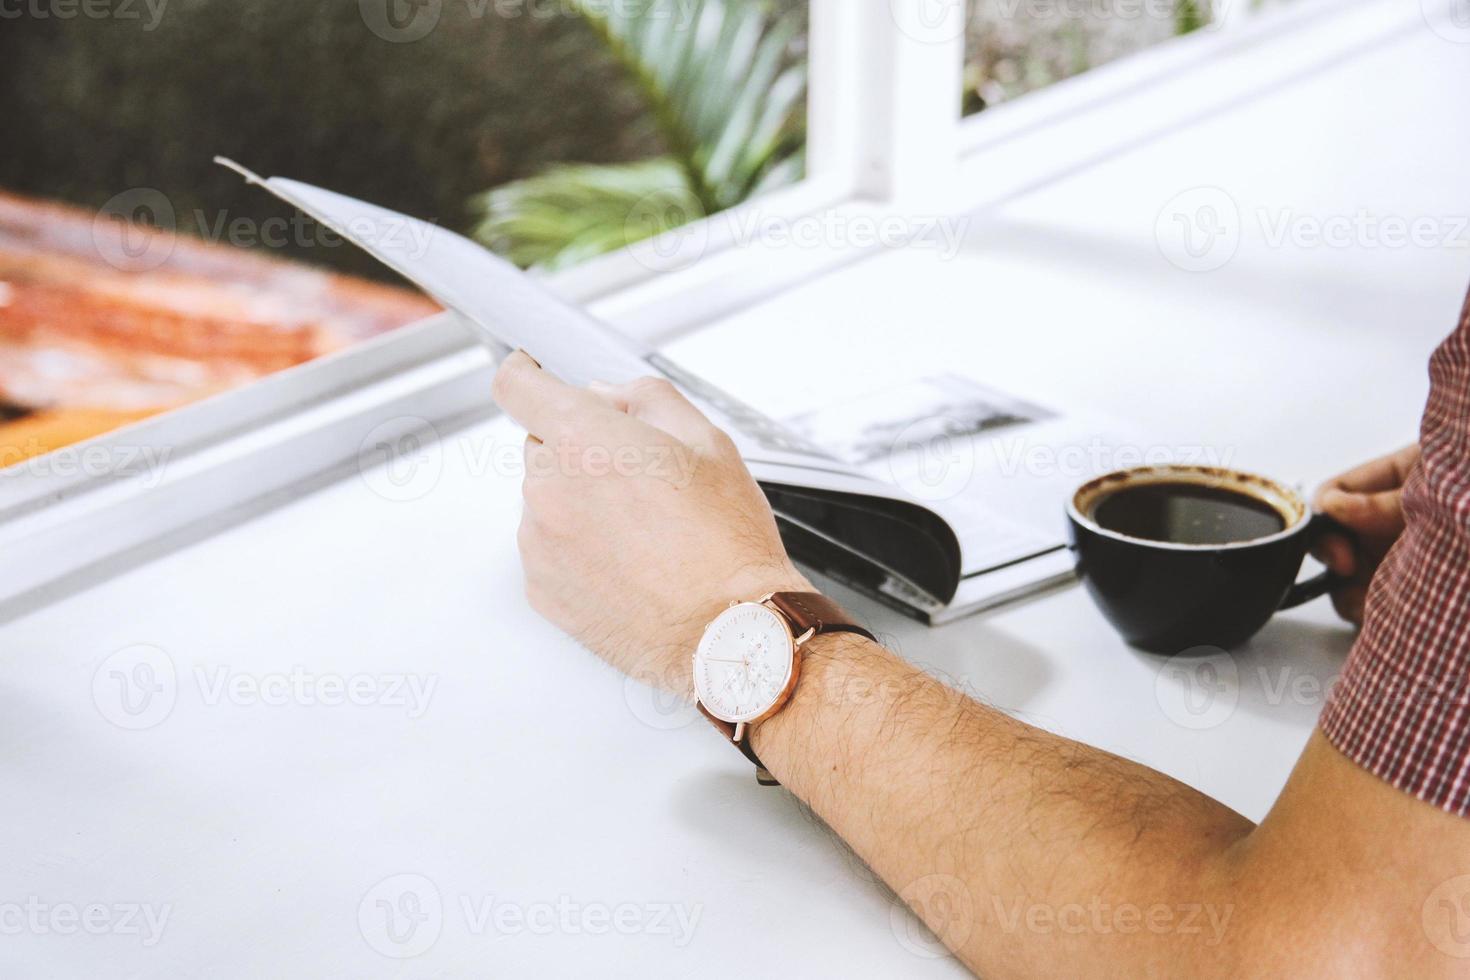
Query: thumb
[1372,515]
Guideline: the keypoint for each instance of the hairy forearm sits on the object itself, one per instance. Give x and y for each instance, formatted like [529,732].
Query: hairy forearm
[1026,853]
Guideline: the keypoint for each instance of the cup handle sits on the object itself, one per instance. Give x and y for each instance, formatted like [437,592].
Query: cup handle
[1323,583]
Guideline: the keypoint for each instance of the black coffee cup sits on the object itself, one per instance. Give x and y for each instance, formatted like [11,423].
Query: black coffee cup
[1188,556]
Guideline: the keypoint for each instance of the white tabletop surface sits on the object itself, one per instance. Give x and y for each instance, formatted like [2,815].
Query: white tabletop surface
[550,819]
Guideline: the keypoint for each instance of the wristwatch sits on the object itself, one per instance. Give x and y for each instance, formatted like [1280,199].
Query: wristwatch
[748,661]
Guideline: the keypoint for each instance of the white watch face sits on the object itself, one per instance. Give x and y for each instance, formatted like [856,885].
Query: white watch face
[744,662]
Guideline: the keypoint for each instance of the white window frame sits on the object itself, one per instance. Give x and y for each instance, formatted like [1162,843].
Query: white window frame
[885,137]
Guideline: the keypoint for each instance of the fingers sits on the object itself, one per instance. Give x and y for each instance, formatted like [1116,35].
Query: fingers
[544,405]
[1338,554]
[1376,516]
[1385,473]
[1374,475]
[660,404]
[1349,603]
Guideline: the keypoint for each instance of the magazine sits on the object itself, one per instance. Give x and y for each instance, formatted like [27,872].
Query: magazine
[851,486]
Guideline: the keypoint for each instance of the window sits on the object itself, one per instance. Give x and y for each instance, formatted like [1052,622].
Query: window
[555,130]
[135,276]
[1017,46]
[114,115]
[1013,47]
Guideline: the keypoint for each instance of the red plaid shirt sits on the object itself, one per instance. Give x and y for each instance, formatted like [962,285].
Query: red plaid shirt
[1402,707]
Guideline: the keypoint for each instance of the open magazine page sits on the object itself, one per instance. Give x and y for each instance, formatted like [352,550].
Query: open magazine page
[937,438]
[997,468]
[835,510]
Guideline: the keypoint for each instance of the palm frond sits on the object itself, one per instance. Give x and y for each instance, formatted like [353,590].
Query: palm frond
[719,82]
[573,212]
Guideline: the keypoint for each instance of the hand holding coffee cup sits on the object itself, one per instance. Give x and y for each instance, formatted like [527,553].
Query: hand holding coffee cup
[1185,556]
[1368,499]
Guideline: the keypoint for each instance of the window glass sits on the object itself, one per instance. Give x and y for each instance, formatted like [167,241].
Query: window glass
[1017,46]
[135,275]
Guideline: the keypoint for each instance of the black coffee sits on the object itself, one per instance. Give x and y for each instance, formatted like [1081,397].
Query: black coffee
[1187,513]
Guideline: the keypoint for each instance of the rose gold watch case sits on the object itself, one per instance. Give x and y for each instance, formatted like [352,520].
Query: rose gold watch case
[743,724]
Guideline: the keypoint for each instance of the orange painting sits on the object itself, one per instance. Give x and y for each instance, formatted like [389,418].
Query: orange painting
[104,322]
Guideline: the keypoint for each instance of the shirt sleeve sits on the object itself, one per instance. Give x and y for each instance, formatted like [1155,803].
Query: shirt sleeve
[1401,709]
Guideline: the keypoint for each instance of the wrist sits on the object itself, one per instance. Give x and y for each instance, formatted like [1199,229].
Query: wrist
[837,677]
[754,581]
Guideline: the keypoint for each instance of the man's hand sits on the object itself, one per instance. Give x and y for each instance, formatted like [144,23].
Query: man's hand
[641,521]
[1367,500]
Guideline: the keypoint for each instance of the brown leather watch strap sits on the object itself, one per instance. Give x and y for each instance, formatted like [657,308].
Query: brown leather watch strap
[727,729]
[814,611]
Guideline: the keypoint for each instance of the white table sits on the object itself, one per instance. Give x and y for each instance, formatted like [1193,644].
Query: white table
[537,780]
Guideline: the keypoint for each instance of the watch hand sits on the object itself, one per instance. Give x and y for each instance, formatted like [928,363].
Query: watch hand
[724,660]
